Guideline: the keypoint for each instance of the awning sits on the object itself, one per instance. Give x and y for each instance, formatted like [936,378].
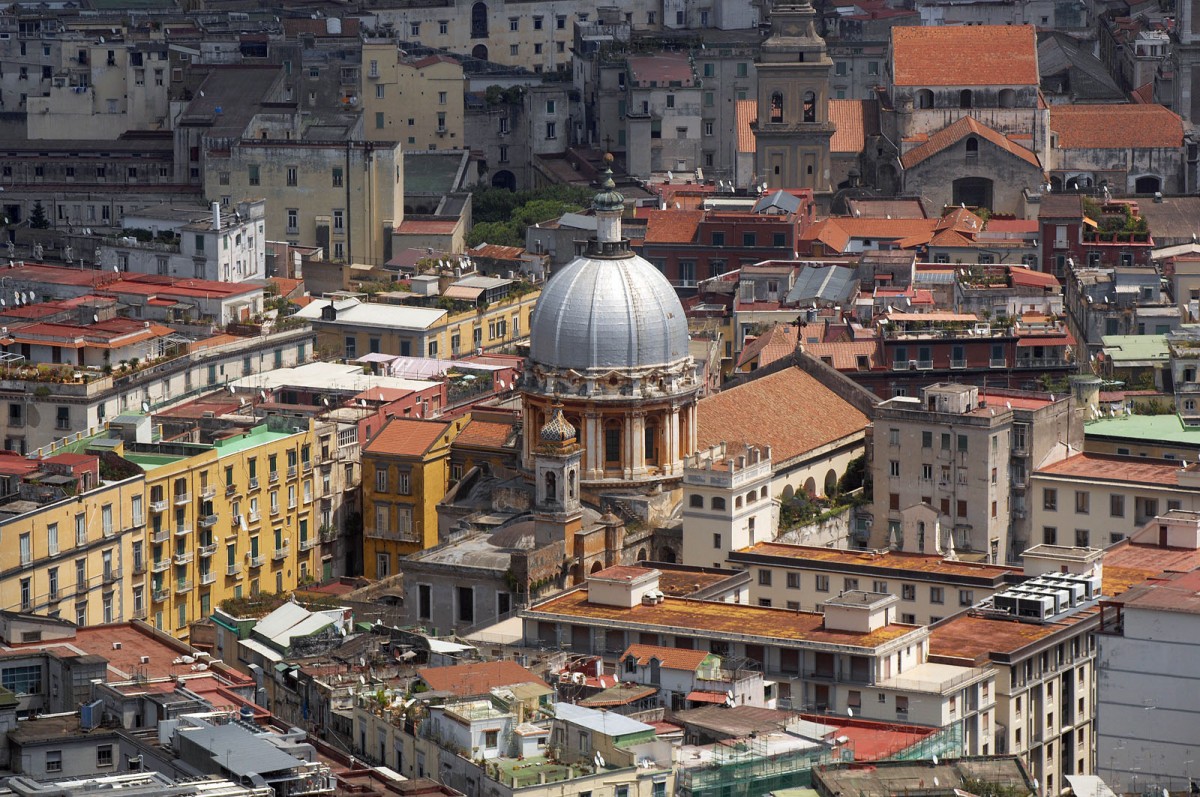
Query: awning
[1058,340]
[707,697]
[463,292]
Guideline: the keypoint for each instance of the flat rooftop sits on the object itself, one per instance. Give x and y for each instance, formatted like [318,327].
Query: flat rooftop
[1166,429]
[1115,469]
[917,563]
[713,617]
[259,435]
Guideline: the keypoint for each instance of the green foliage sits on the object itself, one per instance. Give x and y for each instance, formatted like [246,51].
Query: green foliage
[987,788]
[501,233]
[501,216]
[37,217]
[495,95]
[854,476]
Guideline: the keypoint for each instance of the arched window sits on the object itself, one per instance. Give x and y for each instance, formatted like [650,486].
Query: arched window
[696,502]
[966,99]
[718,503]
[737,502]
[763,492]
[924,98]
[612,443]
[921,535]
[972,147]
[751,497]
[1008,98]
[571,484]
[479,21]
[551,487]
[1147,185]
[810,107]
[777,107]
[1189,405]
[651,444]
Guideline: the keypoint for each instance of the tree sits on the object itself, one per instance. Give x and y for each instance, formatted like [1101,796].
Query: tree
[37,218]
[502,233]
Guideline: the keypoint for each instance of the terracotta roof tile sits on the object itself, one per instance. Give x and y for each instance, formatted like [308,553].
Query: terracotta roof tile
[965,55]
[848,116]
[763,411]
[836,233]
[843,354]
[1116,469]
[670,658]
[406,437]
[1115,126]
[672,226]
[747,112]
[488,434]
[948,136]
[424,227]
[470,680]
[776,343]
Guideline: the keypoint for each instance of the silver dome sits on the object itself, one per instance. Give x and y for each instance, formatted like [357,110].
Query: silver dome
[608,313]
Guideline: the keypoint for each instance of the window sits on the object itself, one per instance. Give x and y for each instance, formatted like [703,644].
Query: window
[793,581]
[822,583]
[54,760]
[879,586]
[1116,505]
[849,584]
[966,597]
[292,176]
[908,592]
[551,130]
[339,220]
[1082,538]
[52,539]
[26,550]
[443,27]
[717,540]
[764,578]
[293,220]
[23,680]
[1082,499]
[894,467]
[252,174]
[937,595]
[1050,535]
[104,755]
[537,23]
[514,23]
[1050,499]
[337,175]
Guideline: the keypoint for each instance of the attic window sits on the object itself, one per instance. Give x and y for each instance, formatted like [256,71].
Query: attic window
[972,147]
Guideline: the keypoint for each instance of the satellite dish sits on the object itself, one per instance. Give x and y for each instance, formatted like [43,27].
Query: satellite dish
[362,680]
[670,175]
[242,401]
[325,401]
[262,394]
[936,782]
[850,713]
[935,759]
[95,318]
[145,406]
[230,389]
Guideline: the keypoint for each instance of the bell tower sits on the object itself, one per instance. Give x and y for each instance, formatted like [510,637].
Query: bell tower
[793,130]
[557,513]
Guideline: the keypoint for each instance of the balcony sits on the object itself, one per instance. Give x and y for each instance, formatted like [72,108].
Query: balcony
[183,587]
[158,506]
[183,529]
[230,489]
[207,578]
[138,521]
[1043,362]
[291,471]
[233,570]
[957,364]
[160,595]
[309,544]
[139,614]
[183,558]
[162,535]
[281,553]
[256,561]
[307,465]
[253,517]
[254,483]
[160,565]
[275,509]
[208,521]
[139,566]
[208,493]
[206,551]
[273,477]
[329,534]
[52,596]
[998,362]
[111,575]
[182,498]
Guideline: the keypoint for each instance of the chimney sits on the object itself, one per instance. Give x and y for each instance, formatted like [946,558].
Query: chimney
[216,221]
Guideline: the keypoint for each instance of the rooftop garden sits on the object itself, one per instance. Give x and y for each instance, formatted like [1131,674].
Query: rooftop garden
[1117,222]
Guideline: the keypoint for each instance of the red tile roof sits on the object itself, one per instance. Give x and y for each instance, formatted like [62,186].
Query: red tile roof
[672,226]
[966,126]
[848,116]
[965,55]
[477,678]
[487,434]
[407,437]
[762,411]
[843,354]
[776,343]
[747,112]
[1115,126]
[1116,469]
[670,658]
[422,227]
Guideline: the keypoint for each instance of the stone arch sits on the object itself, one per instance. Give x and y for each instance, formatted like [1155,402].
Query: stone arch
[972,147]
[596,567]
[1056,184]
[641,555]
[668,555]
[777,106]
[1008,98]
[966,99]
[788,493]
[924,98]
[974,192]
[503,178]
[831,480]
[810,486]
[571,484]
[1147,184]
[551,487]
[810,106]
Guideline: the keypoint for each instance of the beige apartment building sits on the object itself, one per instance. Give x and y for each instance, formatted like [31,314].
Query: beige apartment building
[1099,499]
[727,503]
[416,101]
[948,449]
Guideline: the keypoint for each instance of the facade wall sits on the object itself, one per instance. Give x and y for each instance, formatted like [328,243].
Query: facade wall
[933,179]
[422,108]
[1114,510]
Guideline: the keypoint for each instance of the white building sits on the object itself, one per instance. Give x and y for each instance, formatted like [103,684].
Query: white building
[727,503]
[1148,662]
[224,244]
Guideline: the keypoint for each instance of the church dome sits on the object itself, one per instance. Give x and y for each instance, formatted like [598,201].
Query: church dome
[608,308]
[608,313]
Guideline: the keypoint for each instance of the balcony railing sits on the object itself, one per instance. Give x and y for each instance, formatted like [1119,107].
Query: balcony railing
[998,362]
[274,477]
[160,595]
[111,575]
[139,614]
[256,561]
[207,550]
[182,498]
[307,465]
[233,569]
[254,483]
[281,553]
[160,565]
[309,544]
[138,521]
[291,471]
[208,521]
[158,506]
[139,566]
[208,493]
[230,489]
[183,587]
[957,364]
[183,529]
[162,535]
[183,558]
[207,578]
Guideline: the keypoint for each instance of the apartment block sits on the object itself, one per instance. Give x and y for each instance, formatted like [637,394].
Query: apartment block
[727,503]
[416,101]
[961,471]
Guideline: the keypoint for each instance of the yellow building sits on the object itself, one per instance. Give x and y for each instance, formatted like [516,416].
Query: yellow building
[406,472]
[416,101]
[72,550]
[352,327]
[227,519]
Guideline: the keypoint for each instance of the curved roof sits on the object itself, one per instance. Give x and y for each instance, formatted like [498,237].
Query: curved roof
[608,313]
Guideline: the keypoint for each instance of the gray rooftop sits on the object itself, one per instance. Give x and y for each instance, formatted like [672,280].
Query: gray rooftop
[240,752]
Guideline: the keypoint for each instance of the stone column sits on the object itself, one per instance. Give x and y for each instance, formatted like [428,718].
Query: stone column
[637,423]
[671,461]
[593,443]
